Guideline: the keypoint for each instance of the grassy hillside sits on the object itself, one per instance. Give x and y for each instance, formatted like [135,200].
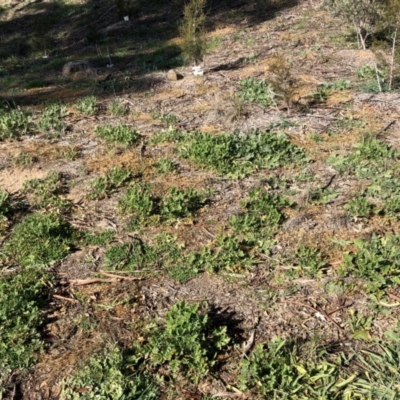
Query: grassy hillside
[232,235]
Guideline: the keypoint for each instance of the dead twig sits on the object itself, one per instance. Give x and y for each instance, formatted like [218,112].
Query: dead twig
[121,278]
[56,296]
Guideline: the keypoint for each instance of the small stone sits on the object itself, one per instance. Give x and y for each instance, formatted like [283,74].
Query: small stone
[172,75]
[72,67]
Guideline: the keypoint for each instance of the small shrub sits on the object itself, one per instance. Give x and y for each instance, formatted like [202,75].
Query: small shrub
[236,155]
[5,203]
[192,31]
[45,192]
[377,261]
[138,201]
[24,159]
[106,376]
[181,203]
[165,166]
[115,179]
[87,105]
[170,135]
[39,240]
[51,122]
[257,91]
[261,216]
[310,261]
[13,124]
[359,206]
[117,108]
[118,134]
[21,316]
[277,372]
[187,343]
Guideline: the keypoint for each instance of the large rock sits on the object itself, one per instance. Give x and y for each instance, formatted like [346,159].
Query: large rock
[172,75]
[78,66]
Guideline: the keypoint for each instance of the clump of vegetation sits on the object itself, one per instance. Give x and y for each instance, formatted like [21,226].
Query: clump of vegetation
[237,154]
[376,261]
[21,315]
[139,202]
[182,203]
[116,178]
[118,134]
[45,193]
[261,214]
[107,376]
[13,123]
[117,108]
[364,16]
[39,239]
[192,31]
[188,343]
[165,166]
[87,105]
[257,91]
[278,372]
[51,122]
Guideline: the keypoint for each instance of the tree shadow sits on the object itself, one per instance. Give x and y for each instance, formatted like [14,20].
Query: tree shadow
[53,32]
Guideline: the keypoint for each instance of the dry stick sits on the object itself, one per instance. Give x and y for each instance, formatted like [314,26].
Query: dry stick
[122,278]
[385,128]
[56,296]
[392,60]
[299,303]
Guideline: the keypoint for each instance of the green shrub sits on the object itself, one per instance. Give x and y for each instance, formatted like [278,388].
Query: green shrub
[238,154]
[21,317]
[106,377]
[257,91]
[277,372]
[182,203]
[40,240]
[118,134]
[51,121]
[13,124]
[188,343]
[87,105]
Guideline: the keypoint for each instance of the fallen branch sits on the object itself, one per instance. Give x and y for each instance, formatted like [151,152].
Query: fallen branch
[121,278]
[56,296]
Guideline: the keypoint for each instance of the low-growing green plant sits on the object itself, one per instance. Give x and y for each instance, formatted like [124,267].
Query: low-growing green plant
[98,238]
[5,202]
[188,343]
[169,119]
[376,260]
[360,325]
[87,105]
[310,261]
[257,91]
[277,372]
[107,376]
[236,155]
[359,206]
[370,157]
[170,135]
[13,123]
[46,192]
[51,122]
[39,239]
[139,256]
[165,166]
[380,375]
[261,216]
[21,316]
[138,202]
[118,134]
[180,203]
[102,186]
[24,159]
[323,196]
[117,108]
